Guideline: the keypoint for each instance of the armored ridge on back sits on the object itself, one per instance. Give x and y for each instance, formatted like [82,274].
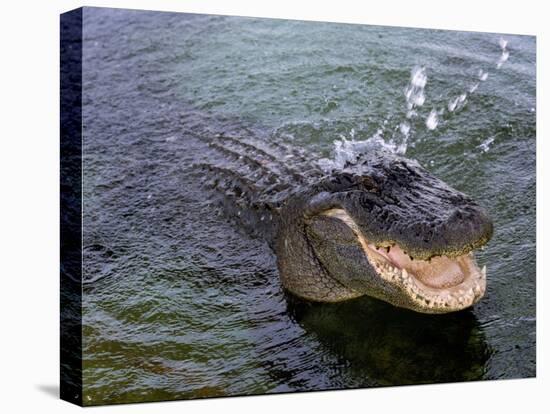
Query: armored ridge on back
[381,226]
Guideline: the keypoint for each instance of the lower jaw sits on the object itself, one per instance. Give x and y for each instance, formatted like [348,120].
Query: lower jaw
[420,297]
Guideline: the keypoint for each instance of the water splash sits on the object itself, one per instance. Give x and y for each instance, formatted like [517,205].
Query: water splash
[451,106]
[405,128]
[414,93]
[482,75]
[505,53]
[458,102]
[348,150]
[432,120]
[486,144]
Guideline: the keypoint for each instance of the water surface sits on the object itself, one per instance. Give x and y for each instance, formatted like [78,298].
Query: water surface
[181,303]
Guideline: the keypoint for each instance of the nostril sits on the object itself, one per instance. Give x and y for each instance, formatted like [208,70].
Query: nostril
[456,217]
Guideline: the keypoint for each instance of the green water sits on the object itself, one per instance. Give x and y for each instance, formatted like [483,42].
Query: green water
[180,303]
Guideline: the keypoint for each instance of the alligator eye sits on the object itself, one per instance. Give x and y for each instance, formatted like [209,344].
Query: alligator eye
[368,183]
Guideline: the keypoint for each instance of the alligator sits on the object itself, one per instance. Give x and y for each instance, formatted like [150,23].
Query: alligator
[381,225]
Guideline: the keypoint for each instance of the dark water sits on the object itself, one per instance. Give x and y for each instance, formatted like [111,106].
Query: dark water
[180,303]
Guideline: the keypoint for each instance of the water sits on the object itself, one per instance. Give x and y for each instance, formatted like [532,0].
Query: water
[181,303]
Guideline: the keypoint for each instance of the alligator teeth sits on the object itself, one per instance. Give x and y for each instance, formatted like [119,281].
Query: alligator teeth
[484,271]
[404,274]
[477,290]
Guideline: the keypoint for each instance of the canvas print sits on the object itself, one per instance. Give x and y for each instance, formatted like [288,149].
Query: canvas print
[257,206]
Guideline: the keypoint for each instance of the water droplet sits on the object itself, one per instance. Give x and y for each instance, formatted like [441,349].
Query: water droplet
[503,43]
[405,127]
[486,144]
[452,104]
[432,121]
[503,58]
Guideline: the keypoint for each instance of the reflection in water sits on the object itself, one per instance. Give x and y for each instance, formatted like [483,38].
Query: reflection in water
[393,346]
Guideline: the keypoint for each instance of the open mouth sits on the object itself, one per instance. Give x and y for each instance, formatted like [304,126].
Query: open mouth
[438,285]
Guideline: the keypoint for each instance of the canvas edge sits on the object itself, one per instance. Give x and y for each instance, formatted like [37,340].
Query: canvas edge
[71,206]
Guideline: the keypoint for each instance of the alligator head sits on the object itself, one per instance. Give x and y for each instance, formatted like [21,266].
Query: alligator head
[383,227]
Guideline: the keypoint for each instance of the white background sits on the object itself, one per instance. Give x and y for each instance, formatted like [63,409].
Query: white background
[29,223]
